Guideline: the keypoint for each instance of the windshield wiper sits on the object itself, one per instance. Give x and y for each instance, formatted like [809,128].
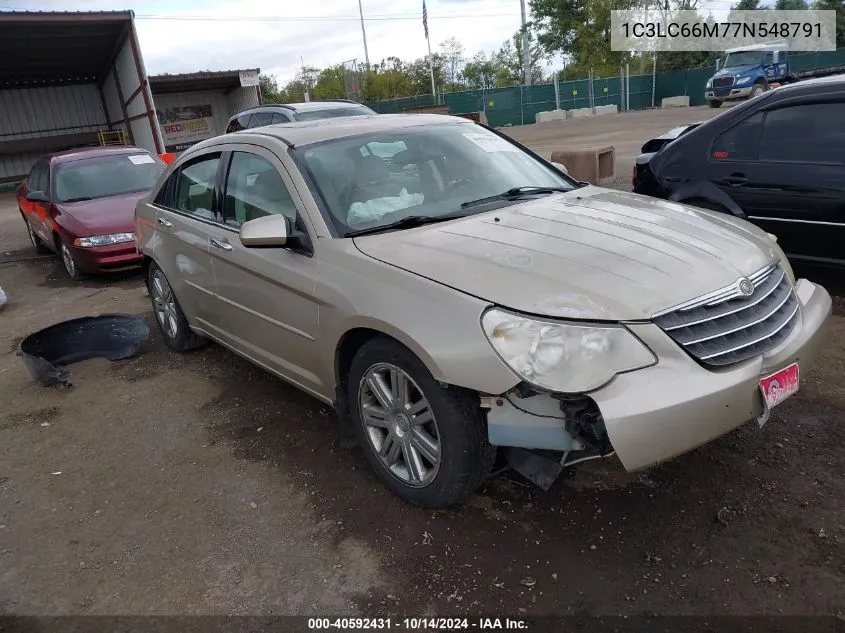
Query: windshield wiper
[408,222]
[79,199]
[514,194]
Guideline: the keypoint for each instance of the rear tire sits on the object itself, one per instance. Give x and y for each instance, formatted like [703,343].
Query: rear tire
[37,244]
[169,316]
[427,443]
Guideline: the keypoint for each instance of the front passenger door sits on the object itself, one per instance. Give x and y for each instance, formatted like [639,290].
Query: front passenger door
[267,294]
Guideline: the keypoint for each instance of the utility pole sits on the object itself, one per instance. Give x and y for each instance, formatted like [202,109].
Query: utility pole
[364,33]
[526,53]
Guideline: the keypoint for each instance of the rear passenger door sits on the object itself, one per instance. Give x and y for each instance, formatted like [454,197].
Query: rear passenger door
[186,214]
[268,309]
[785,167]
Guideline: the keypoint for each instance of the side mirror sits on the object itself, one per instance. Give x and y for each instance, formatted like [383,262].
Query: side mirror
[561,167]
[268,231]
[37,196]
[718,64]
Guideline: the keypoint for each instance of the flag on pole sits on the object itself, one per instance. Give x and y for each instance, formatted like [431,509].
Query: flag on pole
[425,20]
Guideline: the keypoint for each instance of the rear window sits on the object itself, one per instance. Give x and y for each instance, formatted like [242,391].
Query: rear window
[328,113]
[105,176]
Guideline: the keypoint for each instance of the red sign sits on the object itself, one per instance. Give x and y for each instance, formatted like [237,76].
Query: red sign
[779,386]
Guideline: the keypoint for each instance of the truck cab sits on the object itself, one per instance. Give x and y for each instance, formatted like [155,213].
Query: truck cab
[747,71]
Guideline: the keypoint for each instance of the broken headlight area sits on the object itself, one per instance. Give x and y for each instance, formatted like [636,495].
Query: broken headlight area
[542,433]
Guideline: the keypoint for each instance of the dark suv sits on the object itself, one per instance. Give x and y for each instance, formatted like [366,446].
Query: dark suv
[285,113]
[777,160]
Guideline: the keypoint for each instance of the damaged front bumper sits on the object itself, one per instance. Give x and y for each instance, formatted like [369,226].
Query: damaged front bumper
[653,414]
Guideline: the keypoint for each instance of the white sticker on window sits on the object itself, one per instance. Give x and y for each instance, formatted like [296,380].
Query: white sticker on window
[141,159]
[490,142]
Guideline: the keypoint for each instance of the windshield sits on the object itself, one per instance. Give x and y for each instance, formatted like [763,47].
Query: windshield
[329,113]
[377,179]
[743,58]
[105,176]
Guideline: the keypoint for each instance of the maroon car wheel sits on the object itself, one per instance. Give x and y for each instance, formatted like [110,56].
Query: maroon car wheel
[68,262]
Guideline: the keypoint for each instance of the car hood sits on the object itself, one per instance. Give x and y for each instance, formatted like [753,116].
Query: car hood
[591,253]
[735,70]
[115,214]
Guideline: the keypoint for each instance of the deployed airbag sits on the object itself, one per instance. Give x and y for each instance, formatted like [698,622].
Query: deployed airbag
[114,336]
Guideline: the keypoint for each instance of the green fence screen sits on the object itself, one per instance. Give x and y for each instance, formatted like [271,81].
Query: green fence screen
[519,105]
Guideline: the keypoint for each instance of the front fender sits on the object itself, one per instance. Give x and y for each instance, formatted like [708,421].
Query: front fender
[706,190]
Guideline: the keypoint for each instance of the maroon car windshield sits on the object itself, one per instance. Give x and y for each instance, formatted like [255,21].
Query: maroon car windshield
[104,176]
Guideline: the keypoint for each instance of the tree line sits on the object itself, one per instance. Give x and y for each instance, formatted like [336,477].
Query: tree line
[574,33]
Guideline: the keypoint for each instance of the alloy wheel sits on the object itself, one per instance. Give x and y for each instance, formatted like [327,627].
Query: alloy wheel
[399,424]
[164,303]
[67,260]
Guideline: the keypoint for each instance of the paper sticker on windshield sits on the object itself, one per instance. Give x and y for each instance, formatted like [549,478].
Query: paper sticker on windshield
[490,142]
[141,159]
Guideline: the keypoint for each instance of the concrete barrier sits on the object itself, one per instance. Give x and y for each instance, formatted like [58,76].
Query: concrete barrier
[607,109]
[596,166]
[551,115]
[675,102]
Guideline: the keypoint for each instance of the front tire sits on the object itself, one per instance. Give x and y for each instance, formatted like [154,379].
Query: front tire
[758,89]
[169,316]
[69,264]
[714,104]
[426,442]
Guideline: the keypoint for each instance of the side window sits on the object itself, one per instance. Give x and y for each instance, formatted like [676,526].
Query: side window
[254,189]
[36,179]
[768,58]
[808,133]
[740,141]
[278,117]
[195,187]
[163,197]
[261,118]
[234,126]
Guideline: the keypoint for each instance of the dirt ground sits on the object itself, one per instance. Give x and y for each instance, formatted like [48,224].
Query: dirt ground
[198,484]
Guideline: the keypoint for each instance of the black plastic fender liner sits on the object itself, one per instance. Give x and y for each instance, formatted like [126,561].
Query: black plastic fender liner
[114,336]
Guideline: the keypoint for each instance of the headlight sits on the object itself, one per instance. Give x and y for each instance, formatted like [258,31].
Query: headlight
[742,80]
[104,240]
[709,83]
[563,357]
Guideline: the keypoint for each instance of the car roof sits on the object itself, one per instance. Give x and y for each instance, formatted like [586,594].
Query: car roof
[308,132]
[831,82]
[309,106]
[80,153]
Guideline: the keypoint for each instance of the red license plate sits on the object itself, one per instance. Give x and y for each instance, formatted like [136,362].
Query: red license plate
[779,386]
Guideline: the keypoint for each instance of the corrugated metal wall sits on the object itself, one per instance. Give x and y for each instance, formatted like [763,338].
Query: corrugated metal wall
[38,112]
[127,72]
[241,99]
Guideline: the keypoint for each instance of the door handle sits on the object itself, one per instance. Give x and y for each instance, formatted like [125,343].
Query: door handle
[165,223]
[734,180]
[221,244]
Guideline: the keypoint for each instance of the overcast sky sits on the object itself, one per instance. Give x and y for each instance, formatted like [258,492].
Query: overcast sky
[216,36]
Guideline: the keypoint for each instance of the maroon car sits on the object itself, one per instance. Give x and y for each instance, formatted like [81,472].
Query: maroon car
[81,204]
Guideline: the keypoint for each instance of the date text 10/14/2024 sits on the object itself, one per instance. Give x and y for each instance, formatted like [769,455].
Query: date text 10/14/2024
[421,624]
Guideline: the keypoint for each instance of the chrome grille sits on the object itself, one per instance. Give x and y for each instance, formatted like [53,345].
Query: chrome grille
[723,82]
[727,327]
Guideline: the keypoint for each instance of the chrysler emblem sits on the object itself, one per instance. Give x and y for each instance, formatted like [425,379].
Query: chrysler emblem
[745,286]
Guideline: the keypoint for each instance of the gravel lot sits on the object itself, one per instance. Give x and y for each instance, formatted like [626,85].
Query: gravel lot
[198,484]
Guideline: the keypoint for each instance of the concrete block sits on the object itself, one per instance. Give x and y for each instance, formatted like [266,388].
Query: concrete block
[579,113]
[551,115]
[675,102]
[607,109]
[596,166]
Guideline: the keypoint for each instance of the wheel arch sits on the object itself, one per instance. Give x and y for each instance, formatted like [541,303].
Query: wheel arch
[706,190]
